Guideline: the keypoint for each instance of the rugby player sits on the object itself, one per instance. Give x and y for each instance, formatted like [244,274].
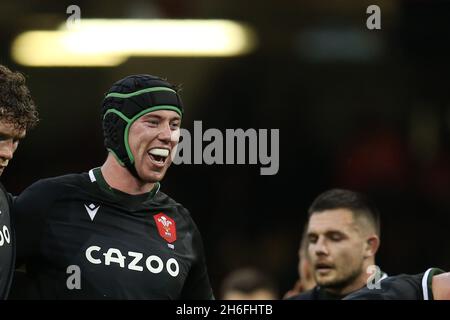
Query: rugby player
[110,233]
[343,238]
[17,115]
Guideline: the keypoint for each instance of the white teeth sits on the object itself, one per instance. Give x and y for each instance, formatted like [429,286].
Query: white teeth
[159,152]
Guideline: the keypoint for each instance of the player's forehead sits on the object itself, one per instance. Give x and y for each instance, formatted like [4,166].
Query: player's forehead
[331,220]
[161,114]
[10,129]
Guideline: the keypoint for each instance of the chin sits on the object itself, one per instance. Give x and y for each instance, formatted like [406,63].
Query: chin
[154,177]
[151,178]
[150,174]
[326,281]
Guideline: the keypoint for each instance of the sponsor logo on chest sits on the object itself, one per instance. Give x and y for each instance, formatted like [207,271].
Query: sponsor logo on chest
[131,260]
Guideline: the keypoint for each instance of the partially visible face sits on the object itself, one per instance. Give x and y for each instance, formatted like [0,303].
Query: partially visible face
[9,141]
[335,247]
[305,270]
[152,139]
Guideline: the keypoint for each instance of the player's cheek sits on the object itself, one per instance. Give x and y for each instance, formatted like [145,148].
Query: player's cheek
[175,136]
[174,139]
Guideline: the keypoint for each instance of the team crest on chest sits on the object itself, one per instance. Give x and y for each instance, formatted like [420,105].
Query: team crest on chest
[166,227]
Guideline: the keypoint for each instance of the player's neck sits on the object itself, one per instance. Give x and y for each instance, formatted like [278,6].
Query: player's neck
[120,178]
[343,291]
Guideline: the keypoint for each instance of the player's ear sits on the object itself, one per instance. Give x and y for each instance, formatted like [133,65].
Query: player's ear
[372,245]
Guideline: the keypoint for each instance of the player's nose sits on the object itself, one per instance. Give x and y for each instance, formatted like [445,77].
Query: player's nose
[321,247]
[6,150]
[165,133]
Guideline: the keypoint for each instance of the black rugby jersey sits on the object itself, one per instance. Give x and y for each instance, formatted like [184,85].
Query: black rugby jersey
[81,239]
[7,244]
[401,287]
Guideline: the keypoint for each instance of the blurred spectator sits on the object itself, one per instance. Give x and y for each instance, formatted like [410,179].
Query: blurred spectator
[306,280]
[248,284]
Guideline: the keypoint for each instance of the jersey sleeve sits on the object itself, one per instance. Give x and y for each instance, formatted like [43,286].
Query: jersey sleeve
[426,282]
[197,285]
[10,198]
[401,287]
[29,210]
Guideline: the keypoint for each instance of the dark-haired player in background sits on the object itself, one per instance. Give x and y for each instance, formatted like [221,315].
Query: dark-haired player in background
[342,239]
[110,232]
[17,114]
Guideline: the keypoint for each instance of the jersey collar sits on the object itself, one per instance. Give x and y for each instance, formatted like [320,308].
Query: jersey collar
[96,176]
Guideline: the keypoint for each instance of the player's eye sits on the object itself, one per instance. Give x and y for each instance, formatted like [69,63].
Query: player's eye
[312,238]
[174,125]
[153,122]
[336,236]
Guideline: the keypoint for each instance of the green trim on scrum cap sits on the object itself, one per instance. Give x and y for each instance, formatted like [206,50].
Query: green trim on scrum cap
[136,93]
[115,156]
[132,120]
[120,114]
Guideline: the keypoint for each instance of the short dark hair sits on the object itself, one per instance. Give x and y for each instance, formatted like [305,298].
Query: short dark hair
[247,280]
[356,202]
[16,105]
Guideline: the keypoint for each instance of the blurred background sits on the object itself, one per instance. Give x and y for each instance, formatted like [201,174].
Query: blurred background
[362,109]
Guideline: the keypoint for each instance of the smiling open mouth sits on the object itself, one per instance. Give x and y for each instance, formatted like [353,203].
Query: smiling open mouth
[159,155]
